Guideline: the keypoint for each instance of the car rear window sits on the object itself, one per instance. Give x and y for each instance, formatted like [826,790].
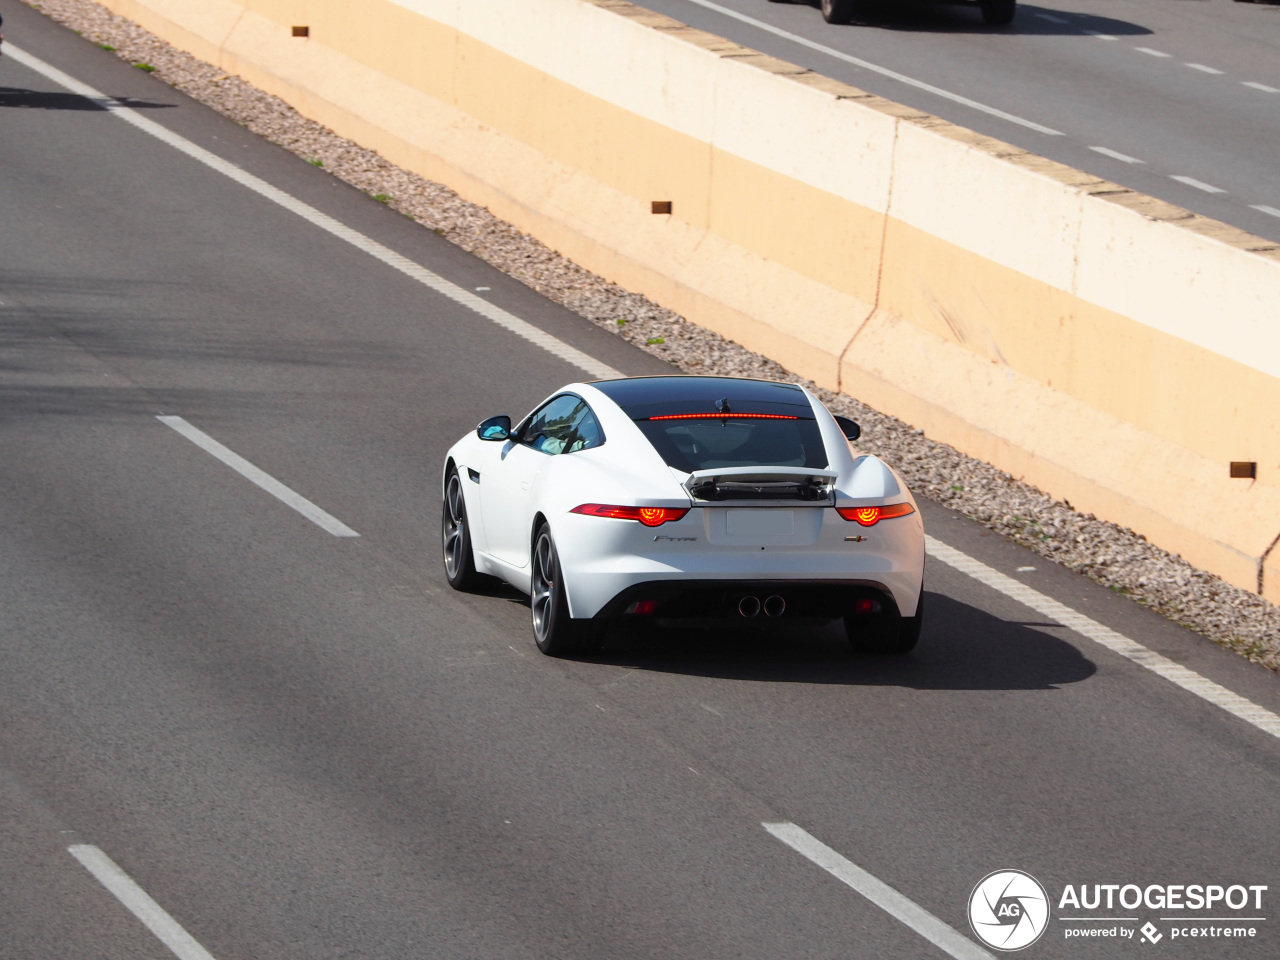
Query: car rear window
[709,423]
[702,442]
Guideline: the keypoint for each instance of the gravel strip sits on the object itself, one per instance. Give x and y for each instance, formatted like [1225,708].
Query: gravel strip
[1112,555]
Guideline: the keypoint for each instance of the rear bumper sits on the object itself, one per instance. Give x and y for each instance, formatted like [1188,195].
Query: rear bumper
[605,561]
[725,600]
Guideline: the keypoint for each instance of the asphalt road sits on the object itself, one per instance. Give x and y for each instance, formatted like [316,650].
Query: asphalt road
[307,746]
[1139,92]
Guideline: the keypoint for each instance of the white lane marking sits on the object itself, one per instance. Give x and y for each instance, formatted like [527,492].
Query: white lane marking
[1100,36]
[1265,209]
[1115,154]
[1151,53]
[941,935]
[1198,184]
[1188,680]
[260,477]
[1050,17]
[1203,69]
[1260,86]
[166,929]
[876,68]
[313,216]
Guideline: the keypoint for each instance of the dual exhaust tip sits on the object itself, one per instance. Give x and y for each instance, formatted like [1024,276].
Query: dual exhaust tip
[750,606]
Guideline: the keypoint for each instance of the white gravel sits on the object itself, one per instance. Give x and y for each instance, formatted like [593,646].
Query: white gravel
[1111,555]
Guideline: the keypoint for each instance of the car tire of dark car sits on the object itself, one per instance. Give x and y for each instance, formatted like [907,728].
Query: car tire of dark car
[998,13]
[555,632]
[885,633]
[455,537]
[838,11]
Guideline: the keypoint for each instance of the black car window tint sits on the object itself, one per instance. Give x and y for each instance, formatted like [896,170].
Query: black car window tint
[710,443]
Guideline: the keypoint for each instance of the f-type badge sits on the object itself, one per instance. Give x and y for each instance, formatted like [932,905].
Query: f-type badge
[854,539]
[675,539]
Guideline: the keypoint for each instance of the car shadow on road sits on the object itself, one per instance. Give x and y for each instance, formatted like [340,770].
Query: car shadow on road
[961,648]
[44,100]
[923,16]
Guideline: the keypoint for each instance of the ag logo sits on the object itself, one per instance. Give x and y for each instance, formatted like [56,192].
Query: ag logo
[1008,910]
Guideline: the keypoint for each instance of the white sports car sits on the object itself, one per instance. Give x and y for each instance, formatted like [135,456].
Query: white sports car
[684,498]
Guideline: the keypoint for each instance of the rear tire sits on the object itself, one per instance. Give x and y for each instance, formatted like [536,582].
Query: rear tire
[998,13]
[555,632]
[455,536]
[838,11]
[885,633]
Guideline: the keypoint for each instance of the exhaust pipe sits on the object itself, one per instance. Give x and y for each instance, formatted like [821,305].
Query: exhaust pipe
[749,606]
[775,606]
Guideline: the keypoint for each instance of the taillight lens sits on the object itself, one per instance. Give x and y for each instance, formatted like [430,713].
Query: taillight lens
[870,516]
[649,516]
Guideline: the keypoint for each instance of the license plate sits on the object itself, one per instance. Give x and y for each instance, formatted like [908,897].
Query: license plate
[760,523]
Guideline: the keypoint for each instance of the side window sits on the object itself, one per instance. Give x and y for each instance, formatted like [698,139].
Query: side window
[585,431]
[564,424]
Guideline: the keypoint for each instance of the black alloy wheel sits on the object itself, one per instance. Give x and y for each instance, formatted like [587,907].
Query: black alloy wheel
[455,536]
[554,631]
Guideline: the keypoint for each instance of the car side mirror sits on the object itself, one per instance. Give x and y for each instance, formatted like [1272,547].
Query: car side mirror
[495,428]
[850,429]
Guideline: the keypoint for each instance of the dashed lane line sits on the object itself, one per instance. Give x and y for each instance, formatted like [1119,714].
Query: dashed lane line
[1162,666]
[1260,86]
[313,216]
[1203,69]
[943,936]
[122,886]
[259,477]
[1271,211]
[1151,53]
[1198,184]
[1115,155]
[876,68]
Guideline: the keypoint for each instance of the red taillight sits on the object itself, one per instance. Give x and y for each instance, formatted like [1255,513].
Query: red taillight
[649,516]
[870,516]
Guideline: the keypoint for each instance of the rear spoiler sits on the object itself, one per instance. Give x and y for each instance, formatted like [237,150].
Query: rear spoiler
[763,483]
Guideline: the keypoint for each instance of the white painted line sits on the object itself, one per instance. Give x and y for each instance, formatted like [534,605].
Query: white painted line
[309,213]
[1203,69]
[1260,86]
[1188,680]
[166,929]
[1265,209]
[1050,17]
[263,479]
[1151,53]
[1100,36]
[1115,154]
[1198,184]
[876,68]
[941,935]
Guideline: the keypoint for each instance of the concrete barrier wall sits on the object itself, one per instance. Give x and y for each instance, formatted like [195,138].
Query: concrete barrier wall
[1107,347]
